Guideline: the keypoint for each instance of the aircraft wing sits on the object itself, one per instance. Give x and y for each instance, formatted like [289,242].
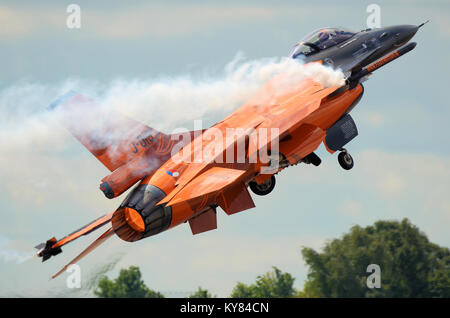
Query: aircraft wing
[224,186]
[113,138]
[283,111]
[268,109]
[207,183]
[53,247]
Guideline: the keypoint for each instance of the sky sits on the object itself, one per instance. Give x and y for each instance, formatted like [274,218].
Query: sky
[49,182]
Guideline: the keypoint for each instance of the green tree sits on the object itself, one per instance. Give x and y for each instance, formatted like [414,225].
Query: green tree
[275,284]
[127,285]
[411,266]
[201,293]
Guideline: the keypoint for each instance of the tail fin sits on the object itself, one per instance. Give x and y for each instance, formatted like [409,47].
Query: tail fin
[113,138]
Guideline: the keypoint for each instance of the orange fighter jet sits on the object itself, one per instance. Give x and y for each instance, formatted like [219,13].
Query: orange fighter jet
[185,177]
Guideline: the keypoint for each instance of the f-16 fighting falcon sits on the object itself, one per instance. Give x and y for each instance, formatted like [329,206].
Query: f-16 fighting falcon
[172,188]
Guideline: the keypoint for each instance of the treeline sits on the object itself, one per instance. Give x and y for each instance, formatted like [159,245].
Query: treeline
[403,263]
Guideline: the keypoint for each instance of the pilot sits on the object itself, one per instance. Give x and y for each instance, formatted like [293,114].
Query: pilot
[325,39]
[323,36]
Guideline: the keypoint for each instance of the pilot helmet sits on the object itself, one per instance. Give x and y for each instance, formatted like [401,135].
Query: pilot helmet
[323,35]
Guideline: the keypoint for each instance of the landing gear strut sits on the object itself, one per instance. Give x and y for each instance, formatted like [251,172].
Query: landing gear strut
[345,160]
[264,188]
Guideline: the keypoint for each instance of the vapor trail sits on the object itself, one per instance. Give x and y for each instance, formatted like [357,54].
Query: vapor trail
[9,254]
[163,103]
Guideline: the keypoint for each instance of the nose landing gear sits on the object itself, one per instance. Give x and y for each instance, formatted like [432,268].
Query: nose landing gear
[345,160]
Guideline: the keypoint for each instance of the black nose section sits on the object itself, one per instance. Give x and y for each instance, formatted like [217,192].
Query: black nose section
[404,33]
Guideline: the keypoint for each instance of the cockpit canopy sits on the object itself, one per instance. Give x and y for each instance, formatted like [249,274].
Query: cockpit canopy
[319,40]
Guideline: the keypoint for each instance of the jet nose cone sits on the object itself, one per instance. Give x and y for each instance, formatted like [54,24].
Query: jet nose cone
[404,33]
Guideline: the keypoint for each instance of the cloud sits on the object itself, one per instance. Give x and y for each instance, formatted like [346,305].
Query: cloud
[135,21]
[156,20]
[351,208]
[400,174]
[374,119]
[163,21]
[20,22]
[390,186]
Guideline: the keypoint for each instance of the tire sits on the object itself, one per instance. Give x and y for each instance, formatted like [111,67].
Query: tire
[264,188]
[345,160]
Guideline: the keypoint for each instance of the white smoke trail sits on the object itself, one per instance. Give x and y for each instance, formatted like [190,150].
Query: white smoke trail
[175,101]
[9,254]
[160,103]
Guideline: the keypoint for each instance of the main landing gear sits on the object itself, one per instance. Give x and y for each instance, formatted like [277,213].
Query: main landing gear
[345,160]
[264,188]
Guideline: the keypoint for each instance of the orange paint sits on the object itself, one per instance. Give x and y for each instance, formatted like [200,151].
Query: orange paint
[134,219]
[190,190]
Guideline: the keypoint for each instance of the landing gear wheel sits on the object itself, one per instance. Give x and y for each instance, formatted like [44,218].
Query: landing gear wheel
[345,160]
[263,188]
